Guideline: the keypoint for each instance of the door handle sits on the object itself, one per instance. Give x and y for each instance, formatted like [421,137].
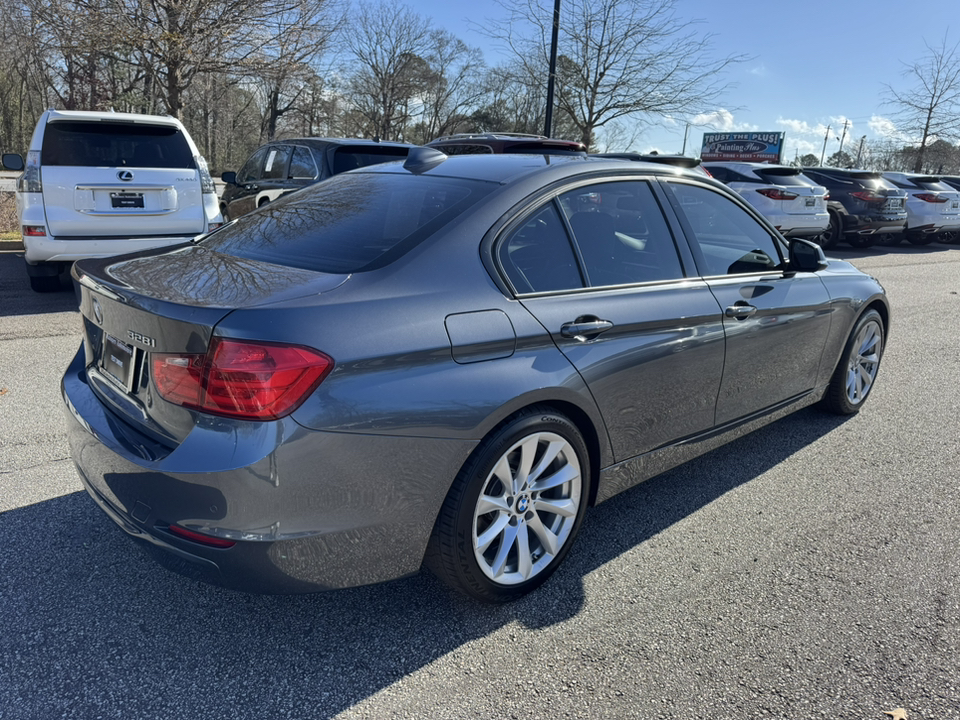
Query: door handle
[740,311]
[585,328]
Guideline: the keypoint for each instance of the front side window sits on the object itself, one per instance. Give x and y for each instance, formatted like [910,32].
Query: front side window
[277,161]
[252,168]
[730,240]
[621,233]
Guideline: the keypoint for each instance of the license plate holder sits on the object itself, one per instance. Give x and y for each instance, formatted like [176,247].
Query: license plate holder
[118,361]
[811,202]
[126,200]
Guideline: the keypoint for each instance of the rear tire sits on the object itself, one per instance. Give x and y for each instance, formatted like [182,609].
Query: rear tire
[920,239]
[831,236]
[857,370]
[514,509]
[861,241]
[892,239]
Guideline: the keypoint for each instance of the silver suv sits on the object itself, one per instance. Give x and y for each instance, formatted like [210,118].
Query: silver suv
[97,184]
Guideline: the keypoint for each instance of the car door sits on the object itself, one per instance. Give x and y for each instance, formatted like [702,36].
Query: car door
[242,198]
[776,322]
[597,265]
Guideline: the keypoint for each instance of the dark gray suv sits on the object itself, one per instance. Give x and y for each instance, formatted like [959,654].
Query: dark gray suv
[445,362]
[287,165]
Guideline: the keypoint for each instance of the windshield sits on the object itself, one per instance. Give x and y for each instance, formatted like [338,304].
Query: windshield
[349,223]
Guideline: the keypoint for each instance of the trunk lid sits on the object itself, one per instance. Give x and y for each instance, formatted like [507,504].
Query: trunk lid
[136,306]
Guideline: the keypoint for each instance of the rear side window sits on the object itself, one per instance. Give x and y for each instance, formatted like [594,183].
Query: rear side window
[349,223]
[108,144]
[302,166]
[347,158]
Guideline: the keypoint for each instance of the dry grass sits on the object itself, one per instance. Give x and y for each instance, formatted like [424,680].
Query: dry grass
[8,217]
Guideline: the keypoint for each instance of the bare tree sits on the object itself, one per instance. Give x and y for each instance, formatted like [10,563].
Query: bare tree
[930,107]
[618,58]
[387,43]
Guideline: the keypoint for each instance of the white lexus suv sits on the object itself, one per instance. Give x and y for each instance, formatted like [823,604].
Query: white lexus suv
[103,183]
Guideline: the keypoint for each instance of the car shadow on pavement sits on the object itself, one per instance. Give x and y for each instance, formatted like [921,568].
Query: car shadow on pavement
[846,252]
[92,627]
[16,297]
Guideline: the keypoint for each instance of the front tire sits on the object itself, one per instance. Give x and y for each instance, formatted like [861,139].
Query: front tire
[514,509]
[857,370]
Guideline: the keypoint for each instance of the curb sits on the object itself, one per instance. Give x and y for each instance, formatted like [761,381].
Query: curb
[11,246]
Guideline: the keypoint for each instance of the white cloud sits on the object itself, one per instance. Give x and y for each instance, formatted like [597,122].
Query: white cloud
[885,128]
[759,70]
[802,127]
[721,120]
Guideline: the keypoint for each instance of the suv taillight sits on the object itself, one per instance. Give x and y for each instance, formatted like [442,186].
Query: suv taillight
[930,197]
[30,180]
[206,181]
[777,194]
[242,379]
[869,196]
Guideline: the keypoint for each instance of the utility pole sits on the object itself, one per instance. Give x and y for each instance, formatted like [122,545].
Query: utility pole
[551,81]
[843,135]
[860,151]
[824,151]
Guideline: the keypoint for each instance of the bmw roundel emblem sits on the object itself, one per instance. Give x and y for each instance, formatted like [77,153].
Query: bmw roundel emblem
[125,175]
[97,311]
[523,504]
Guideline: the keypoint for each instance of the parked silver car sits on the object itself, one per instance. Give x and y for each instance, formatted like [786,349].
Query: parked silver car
[445,362]
[933,206]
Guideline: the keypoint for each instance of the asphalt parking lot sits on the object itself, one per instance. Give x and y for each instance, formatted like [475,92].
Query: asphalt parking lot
[809,570]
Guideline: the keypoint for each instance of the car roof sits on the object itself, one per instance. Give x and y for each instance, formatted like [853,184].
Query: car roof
[506,168]
[99,116]
[323,142]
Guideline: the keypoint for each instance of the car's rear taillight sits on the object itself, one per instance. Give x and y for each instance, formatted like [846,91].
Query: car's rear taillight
[930,197]
[777,194]
[30,180]
[34,230]
[206,181]
[243,379]
[869,196]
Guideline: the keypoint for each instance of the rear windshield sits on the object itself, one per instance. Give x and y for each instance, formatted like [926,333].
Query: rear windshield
[346,158]
[782,177]
[349,223]
[932,184]
[113,144]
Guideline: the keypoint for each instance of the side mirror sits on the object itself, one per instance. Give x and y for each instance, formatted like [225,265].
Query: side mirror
[12,161]
[806,256]
[229,177]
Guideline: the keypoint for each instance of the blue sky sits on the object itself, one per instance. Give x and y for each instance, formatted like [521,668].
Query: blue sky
[815,63]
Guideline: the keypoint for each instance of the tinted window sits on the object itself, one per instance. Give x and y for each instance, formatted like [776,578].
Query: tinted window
[621,233]
[302,166]
[346,158]
[350,222]
[730,239]
[538,257]
[252,168]
[933,185]
[276,163]
[464,149]
[779,178]
[106,144]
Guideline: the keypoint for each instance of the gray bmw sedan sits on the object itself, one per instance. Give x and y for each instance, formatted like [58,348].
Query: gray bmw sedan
[444,362]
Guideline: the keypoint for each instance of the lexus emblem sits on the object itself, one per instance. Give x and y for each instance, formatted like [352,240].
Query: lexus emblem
[97,311]
[125,175]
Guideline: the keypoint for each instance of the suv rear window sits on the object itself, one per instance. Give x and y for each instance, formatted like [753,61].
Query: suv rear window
[782,177]
[111,144]
[349,223]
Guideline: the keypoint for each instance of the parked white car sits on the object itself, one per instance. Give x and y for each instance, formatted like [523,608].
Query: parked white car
[96,184]
[933,206]
[792,202]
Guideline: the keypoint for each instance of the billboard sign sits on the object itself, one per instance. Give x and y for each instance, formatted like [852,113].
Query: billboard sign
[766,147]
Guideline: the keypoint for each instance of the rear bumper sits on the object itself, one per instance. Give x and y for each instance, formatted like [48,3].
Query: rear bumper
[308,510]
[868,225]
[47,249]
